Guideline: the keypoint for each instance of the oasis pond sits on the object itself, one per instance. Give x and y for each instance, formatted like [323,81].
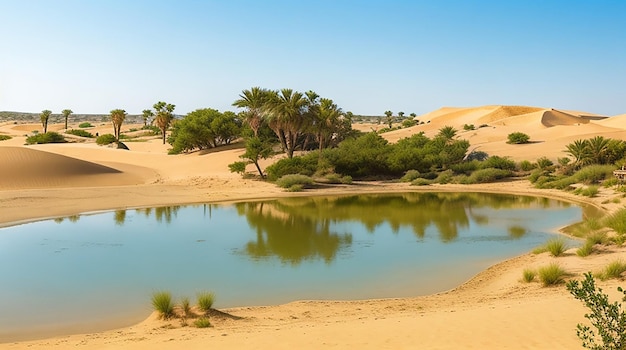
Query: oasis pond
[98,271]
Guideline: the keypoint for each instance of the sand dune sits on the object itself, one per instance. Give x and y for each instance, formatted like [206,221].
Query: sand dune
[29,168]
[618,121]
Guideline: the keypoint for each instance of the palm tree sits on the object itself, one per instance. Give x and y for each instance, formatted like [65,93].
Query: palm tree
[164,115]
[44,116]
[288,116]
[326,122]
[581,152]
[447,132]
[255,103]
[389,118]
[146,115]
[66,114]
[598,148]
[117,118]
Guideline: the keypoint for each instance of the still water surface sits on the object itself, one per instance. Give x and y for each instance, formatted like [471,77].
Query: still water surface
[99,270]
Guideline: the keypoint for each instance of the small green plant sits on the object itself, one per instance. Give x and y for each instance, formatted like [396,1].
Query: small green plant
[290,180]
[613,270]
[518,138]
[585,250]
[556,247]
[526,165]
[346,180]
[202,322]
[588,191]
[4,137]
[105,139]
[185,307]
[608,319]
[551,274]
[468,127]
[410,175]
[162,303]
[49,137]
[85,125]
[617,221]
[79,132]
[529,275]
[544,163]
[205,301]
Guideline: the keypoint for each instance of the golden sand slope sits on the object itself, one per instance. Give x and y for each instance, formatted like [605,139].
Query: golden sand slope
[29,168]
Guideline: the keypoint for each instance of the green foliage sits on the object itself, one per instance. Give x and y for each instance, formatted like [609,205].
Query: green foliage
[477,155]
[527,165]
[79,132]
[257,148]
[555,246]
[518,138]
[5,137]
[468,127]
[421,182]
[488,175]
[594,173]
[85,125]
[162,303]
[497,162]
[105,139]
[202,129]
[202,322]
[288,181]
[588,191]
[467,167]
[551,274]
[608,183]
[617,221]
[408,123]
[544,163]
[305,165]
[410,175]
[613,270]
[367,155]
[205,301]
[529,275]
[238,167]
[48,137]
[608,319]
[585,250]
[597,150]
[447,132]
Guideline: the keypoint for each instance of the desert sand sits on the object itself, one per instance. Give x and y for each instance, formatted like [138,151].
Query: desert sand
[493,310]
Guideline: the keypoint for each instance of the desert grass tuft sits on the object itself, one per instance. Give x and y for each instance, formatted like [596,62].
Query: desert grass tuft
[551,275]
[613,270]
[556,247]
[205,301]
[185,308]
[529,275]
[585,250]
[202,322]
[617,221]
[162,303]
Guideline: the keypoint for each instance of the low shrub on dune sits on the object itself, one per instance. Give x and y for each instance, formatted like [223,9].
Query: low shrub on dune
[551,274]
[613,270]
[205,301]
[162,303]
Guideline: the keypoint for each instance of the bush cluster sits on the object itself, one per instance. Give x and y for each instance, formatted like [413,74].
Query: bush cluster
[105,139]
[79,132]
[4,137]
[518,138]
[49,137]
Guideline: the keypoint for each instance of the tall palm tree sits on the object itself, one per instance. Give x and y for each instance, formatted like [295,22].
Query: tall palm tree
[66,114]
[163,116]
[255,103]
[146,115]
[581,152]
[117,118]
[44,116]
[288,114]
[327,122]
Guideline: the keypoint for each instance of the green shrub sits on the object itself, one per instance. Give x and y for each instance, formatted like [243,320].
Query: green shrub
[497,162]
[613,270]
[105,139]
[588,191]
[556,247]
[295,188]
[594,173]
[185,308]
[85,125]
[205,301]
[410,175]
[466,168]
[488,175]
[585,250]
[609,319]
[304,165]
[346,180]
[518,138]
[408,123]
[202,322]
[444,177]
[290,180]
[551,274]
[49,137]
[421,182]
[544,163]
[238,167]
[162,303]
[526,165]
[468,127]
[4,137]
[79,132]
[610,182]
[529,275]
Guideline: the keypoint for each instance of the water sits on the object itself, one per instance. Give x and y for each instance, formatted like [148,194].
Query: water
[93,272]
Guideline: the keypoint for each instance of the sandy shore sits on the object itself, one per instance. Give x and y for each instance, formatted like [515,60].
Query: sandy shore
[492,310]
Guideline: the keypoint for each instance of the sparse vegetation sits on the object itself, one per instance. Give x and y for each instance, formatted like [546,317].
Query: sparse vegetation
[202,322]
[529,275]
[518,138]
[79,132]
[608,319]
[289,181]
[585,250]
[105,139]
[205,301]
[4,137]
[551,274]
[613,270]
[48,137]
[617,221]
[556,247]
[85,125]
[162,303]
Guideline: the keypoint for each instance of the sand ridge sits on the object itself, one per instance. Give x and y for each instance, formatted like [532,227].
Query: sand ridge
[493,310]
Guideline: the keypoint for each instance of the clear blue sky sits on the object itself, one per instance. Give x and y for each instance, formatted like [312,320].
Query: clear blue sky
[93,56]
